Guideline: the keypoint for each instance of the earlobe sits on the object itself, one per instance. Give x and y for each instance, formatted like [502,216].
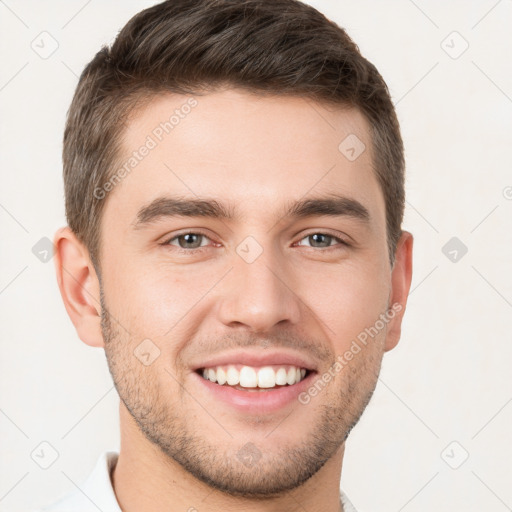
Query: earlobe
[79,286]
[401,276]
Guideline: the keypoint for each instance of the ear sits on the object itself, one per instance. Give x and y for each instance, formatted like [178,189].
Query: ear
[79,286]
[401,276]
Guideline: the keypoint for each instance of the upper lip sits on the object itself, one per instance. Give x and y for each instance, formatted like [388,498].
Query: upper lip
[249,358]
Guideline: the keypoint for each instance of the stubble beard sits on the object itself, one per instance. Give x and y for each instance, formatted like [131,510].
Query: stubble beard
[276,472]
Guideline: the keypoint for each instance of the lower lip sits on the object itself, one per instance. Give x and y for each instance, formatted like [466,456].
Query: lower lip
[257,402]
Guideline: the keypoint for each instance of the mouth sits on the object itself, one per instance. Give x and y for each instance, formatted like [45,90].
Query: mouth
[251,388]
[254,378]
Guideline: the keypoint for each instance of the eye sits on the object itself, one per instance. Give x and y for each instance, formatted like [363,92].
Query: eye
[189,240]
[322,240]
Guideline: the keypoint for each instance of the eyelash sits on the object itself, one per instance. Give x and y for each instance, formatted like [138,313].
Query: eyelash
[341,241]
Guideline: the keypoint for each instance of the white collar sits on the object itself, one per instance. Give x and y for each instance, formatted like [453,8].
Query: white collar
[96,493]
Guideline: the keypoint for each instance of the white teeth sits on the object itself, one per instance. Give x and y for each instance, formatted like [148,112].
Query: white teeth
[290,376]
[233,376]
[248,377]
[281,376]
[221,376]
[266,377]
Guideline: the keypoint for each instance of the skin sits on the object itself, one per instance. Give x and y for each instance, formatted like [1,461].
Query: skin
[178,445]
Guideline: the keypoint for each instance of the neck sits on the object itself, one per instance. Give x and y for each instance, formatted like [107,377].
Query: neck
[146,479]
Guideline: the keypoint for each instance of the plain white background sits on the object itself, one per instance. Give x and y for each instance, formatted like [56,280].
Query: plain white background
[445,392]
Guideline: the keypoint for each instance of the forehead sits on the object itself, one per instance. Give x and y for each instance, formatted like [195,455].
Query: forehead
[253,152]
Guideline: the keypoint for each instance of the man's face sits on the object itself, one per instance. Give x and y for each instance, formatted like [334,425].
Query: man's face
[259,289]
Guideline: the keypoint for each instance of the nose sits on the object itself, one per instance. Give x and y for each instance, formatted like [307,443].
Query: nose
[258,294]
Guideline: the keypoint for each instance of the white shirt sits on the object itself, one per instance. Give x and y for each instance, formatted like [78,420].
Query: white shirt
[97,493]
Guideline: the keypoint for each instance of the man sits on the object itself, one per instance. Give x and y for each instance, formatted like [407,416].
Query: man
[234,181]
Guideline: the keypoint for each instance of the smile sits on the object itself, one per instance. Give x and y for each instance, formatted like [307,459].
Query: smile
[251,378]
[253,390]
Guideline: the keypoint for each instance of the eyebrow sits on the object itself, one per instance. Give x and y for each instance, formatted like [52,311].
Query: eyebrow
[168,207]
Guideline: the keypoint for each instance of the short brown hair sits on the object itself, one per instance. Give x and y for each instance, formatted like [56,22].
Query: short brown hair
[278,47]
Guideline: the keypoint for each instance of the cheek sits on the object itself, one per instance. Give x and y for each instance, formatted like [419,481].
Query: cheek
[348,302]
[156,302]
[159,300]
